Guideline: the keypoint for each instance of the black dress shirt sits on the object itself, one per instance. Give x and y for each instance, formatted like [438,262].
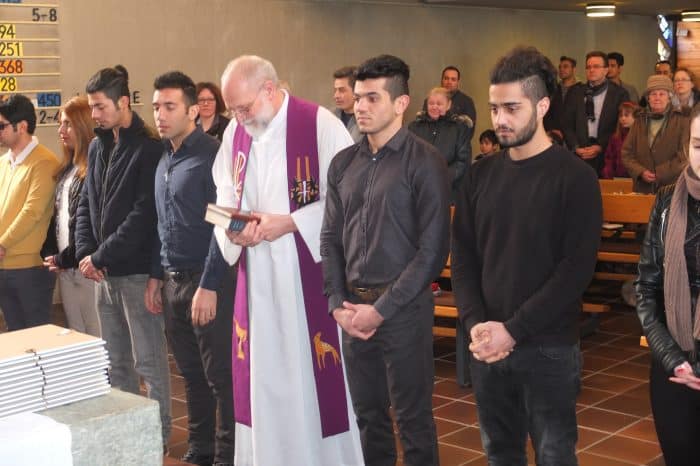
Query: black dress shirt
[386,222]
[183,187]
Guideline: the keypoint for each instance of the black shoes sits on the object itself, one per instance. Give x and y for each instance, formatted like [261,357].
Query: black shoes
[193,456]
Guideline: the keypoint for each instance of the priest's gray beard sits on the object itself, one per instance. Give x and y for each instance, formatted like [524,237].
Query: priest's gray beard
[257,125]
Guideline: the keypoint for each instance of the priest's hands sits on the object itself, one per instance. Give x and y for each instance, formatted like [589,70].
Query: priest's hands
[358,320]
[152,296]
[203,306]
[491,342]
[270,227]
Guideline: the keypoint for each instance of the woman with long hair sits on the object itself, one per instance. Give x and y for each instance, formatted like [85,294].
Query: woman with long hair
[77,292]
[667,305]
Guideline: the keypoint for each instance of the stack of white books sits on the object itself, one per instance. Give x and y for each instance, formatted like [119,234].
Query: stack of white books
[48,366]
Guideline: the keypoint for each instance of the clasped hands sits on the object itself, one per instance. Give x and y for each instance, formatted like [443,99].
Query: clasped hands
[358,320]
[270,227]
[683,374]
[589,152]
[491,342]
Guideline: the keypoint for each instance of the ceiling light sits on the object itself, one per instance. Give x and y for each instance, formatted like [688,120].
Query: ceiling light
[600,10]
[690,15]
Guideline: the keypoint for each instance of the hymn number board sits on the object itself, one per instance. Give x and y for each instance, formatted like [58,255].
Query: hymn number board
[30,55]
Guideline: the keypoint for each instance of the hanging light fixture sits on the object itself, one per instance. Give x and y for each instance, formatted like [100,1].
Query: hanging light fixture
[690,15]
[600,10]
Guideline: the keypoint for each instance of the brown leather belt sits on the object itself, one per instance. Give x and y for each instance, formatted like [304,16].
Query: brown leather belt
[367,294]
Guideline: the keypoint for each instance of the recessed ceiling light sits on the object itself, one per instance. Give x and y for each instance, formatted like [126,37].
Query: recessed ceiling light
[600,10]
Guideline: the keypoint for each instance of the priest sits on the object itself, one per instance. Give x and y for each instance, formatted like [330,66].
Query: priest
[290,392]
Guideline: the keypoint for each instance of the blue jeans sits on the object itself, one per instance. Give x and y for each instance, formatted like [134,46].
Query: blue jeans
[532,391]
[135,341]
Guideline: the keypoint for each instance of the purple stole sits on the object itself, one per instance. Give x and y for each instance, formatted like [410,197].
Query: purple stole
[323,332]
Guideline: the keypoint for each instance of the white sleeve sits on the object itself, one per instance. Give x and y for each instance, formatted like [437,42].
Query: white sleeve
[332,137]
[222,171]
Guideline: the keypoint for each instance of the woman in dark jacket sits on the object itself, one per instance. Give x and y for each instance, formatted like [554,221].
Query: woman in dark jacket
[77,292]
[211,110]
[450,134]
[667,305]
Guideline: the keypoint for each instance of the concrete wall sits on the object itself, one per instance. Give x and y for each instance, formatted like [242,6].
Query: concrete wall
[307,40]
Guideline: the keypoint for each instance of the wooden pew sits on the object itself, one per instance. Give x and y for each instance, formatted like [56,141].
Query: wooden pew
[616,185]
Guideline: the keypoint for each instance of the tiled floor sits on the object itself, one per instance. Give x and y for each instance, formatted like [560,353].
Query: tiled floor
[614,416]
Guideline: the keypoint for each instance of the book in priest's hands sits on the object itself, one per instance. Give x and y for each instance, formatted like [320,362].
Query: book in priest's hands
[229,217]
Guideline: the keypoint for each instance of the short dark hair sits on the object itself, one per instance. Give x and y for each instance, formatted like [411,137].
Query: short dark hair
[346,72]
[214,89]
[19,108]
[113,82]
[598,53]
[393,68]
[663,62]
[488,135]
[569,59]
[618,57]
[177,80]
[530,68]
[452,68]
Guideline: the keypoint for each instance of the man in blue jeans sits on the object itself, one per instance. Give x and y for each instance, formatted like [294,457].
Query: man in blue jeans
[525,236]
[114,237]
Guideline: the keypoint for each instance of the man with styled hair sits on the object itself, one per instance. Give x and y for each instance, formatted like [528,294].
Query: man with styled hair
[524,243]
[590,111]
[27,181]
[190,281]
[291,401]
[343,82]
[616,61]
[114,236]
[384,239]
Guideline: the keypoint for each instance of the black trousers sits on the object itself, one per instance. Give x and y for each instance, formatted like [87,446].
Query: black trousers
[203,356]
[395,368]
[25,296]
[676,410]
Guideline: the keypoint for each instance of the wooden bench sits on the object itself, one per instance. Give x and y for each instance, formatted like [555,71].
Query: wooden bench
[616,185]
[445,307]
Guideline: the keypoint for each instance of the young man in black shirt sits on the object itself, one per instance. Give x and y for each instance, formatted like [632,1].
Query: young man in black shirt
[525,235]
[384,239]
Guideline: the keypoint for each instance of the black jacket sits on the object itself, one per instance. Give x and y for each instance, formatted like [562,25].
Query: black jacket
[451,136]
[650,283]
[575,125]
[116,222]
[65,259]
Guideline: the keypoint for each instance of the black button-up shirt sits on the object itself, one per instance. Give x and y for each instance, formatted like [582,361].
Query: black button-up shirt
[386,221]
[183,187]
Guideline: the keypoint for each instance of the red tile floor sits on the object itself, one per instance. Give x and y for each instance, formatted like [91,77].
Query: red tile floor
[615,423]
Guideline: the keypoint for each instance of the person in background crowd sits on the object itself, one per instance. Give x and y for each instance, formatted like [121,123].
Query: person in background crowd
[685,94]
[343,82]
[27,183]
[655,151]
[462,104]
[77,292]
[614,167]
[663,67]
[447,132]
[667,304]
[488,144]
[590,114]
[616,61]
[567,79]
[212,110]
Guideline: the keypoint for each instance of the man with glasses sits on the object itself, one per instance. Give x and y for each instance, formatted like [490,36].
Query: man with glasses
[590,111]
[27,185]
[292,404]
